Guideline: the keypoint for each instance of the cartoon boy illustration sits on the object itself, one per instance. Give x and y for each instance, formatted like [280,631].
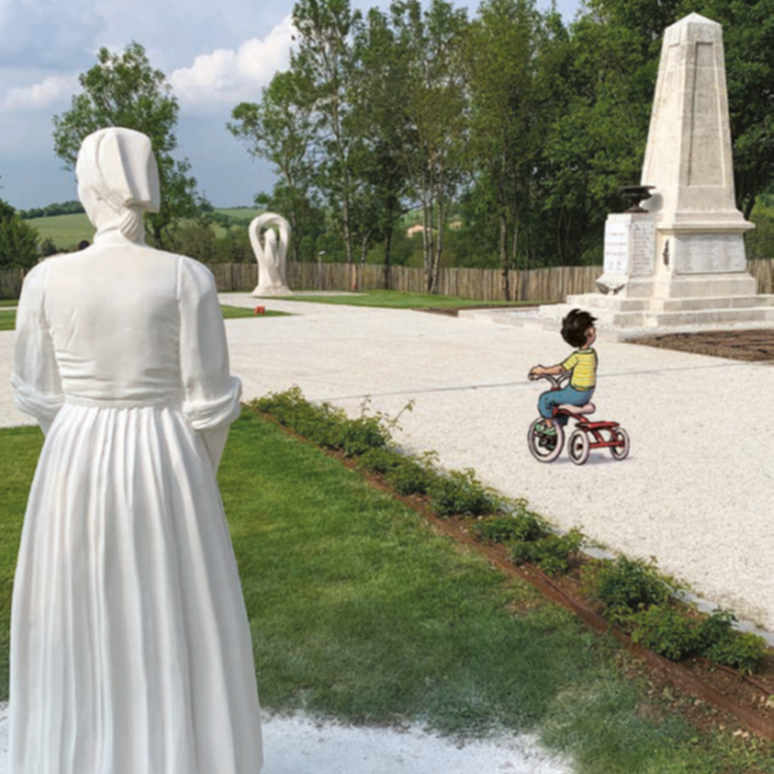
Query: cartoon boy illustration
[578,331]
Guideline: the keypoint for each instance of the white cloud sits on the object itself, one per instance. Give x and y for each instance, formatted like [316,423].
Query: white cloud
[228,76]
[52,91]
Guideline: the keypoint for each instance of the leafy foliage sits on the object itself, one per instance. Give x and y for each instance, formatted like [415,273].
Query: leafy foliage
[664,630]
[125,90]
[551,553]
[325,424]
[18,240]
[627,585]
[460,493]
[523,526]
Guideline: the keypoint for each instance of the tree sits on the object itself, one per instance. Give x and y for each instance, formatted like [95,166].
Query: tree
[596,81]
[376,91]
[282,128]
[18,240]
[124,90]
[437,111]
[505,117]
[325,56]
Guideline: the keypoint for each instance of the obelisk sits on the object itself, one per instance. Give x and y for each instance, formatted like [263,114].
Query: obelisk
[699,242]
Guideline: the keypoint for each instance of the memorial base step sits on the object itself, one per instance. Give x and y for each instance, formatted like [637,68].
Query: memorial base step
[668,313]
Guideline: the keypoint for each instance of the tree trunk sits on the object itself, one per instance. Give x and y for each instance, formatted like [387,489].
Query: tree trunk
[387,249]
[504,283]
[427,240]
[363,251]
[296,237]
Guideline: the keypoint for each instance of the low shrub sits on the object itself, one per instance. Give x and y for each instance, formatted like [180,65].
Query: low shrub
[720,642]
[665,631]
[626,586]
[380,460]
[550,553]
[356,436]
[411,477]
[744,651]
[325,424]
[460,493]
[522,526]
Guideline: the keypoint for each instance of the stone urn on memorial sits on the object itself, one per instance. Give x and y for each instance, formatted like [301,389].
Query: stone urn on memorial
[271,248]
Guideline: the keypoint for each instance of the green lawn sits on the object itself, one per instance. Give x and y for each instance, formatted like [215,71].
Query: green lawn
[9,302]
[8,317]
[230,312]
[359,611]
[396,299]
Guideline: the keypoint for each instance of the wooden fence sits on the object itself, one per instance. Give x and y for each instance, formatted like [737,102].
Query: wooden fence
[481,284]
[553,284]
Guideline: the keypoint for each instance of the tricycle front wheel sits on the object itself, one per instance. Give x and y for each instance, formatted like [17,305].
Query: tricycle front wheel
[545,448]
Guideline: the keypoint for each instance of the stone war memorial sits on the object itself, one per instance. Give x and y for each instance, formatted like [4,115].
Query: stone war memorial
[270,253]
[678,257]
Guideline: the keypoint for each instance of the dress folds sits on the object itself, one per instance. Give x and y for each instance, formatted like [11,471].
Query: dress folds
[130,645]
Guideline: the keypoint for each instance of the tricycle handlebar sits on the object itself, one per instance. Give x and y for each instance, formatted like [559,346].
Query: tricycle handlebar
[556,381]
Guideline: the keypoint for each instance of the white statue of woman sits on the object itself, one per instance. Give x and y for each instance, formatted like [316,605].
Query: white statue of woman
[272,280]
[130,644]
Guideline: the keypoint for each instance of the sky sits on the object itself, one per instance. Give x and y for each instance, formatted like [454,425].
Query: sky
[214,54]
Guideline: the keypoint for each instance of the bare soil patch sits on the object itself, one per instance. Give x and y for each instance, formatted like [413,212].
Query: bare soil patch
[756,344]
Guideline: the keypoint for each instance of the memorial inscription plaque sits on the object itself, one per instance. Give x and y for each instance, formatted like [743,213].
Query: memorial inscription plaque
[710,254]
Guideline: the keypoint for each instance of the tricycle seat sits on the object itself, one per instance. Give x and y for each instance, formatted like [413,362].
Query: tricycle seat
[588,408]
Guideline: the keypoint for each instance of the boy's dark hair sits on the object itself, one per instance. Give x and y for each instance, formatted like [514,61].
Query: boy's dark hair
[575,325]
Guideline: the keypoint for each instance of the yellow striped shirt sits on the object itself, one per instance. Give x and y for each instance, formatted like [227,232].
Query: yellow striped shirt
[583,364]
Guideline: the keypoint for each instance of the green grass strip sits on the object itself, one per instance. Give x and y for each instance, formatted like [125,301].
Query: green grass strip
[9,302]
[395,299]
[231,312]
[8,317]
[359,611]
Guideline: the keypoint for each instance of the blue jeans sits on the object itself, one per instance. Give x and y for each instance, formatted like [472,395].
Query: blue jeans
[548,401]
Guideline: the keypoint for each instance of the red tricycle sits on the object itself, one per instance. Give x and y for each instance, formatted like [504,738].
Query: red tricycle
[585,437]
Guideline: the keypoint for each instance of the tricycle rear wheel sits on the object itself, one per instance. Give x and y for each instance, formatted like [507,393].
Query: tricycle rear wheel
[620,452]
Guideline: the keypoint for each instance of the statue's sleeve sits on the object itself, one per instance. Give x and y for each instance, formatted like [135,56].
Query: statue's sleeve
[211,394]
[36,374]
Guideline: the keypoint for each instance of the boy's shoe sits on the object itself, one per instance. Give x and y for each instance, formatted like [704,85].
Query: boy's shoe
[544,429]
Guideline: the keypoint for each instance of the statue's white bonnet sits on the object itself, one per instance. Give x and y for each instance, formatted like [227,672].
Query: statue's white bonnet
[119,166]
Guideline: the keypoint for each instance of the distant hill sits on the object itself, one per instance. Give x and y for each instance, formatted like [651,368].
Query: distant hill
[67,230]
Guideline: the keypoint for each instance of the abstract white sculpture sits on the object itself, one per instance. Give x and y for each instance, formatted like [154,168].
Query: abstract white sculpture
[130,644]
[272,280]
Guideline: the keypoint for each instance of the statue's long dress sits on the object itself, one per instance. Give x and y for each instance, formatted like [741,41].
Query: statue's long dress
[130,646]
